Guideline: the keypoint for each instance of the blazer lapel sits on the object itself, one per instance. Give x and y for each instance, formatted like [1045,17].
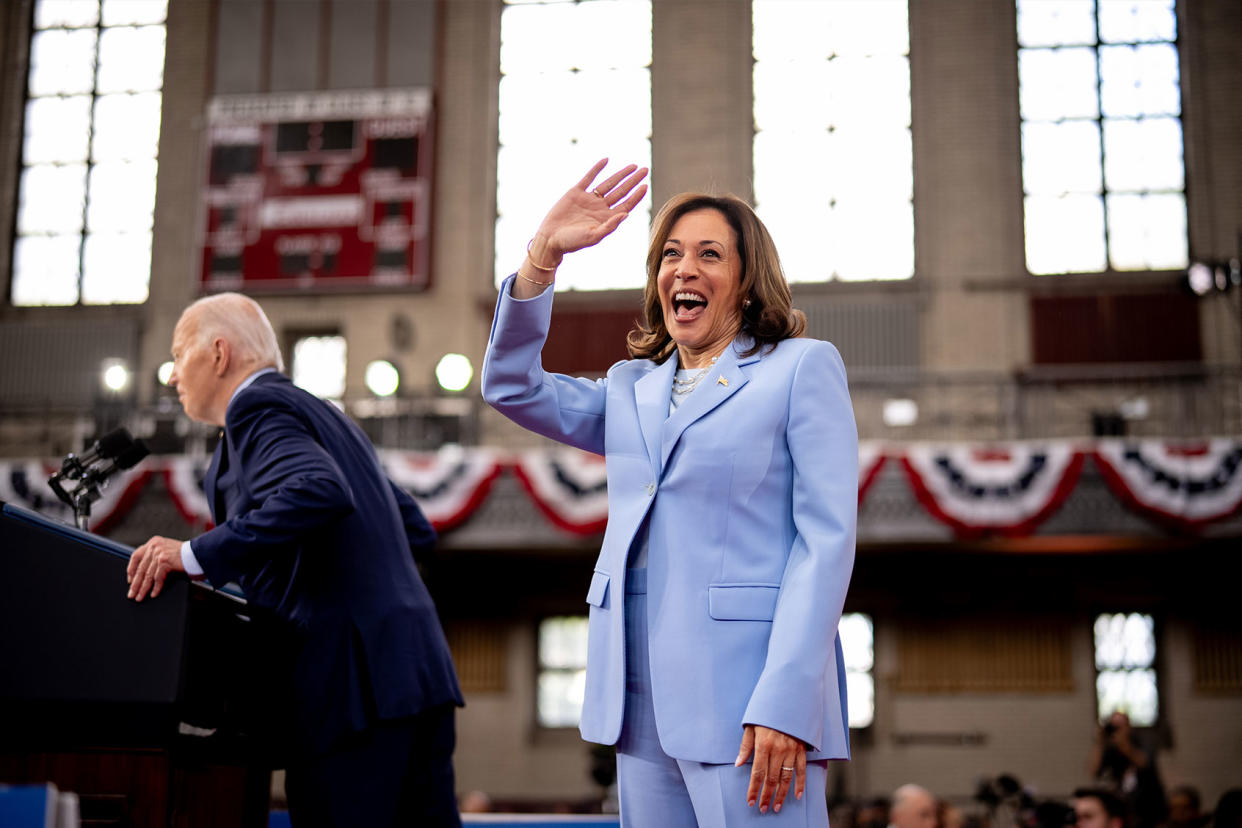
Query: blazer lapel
[651,392]
[722,381]
[218,480]
[209,480]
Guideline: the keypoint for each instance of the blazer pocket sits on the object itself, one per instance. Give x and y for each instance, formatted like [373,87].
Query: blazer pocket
[742,602]
[598,593]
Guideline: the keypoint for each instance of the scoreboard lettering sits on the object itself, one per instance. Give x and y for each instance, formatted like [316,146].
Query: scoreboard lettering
[317,191]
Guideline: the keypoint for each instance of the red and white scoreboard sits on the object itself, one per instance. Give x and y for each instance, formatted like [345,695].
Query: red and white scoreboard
[317,191]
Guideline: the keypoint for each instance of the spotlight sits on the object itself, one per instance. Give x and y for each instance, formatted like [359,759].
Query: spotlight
[900,413]
[164,373]
[382,378]
[1134,409]
[1205,276]
[1199,277]
[454,372]
[115,375]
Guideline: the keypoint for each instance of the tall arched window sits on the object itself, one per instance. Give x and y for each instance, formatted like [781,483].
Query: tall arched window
[1102,165]
[575,84]
[87,194]
[833,161]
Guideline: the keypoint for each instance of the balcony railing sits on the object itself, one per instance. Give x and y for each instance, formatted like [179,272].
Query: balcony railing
[1048,402]
[1044,402]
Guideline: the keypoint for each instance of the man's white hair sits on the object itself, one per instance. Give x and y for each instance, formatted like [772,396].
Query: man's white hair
[239,320]
[906,793]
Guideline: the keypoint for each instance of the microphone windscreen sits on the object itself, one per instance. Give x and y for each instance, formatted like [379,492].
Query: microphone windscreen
[114,443]
[130,457]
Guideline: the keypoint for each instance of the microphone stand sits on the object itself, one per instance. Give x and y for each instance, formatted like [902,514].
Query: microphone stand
[83,494]
[82,510]
[86,494]
[90,476]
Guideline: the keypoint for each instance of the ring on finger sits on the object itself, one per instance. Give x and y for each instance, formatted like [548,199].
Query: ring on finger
[787,769]
[598,193]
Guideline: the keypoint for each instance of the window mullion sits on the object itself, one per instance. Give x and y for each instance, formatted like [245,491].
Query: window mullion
[1099,103]
[90,165]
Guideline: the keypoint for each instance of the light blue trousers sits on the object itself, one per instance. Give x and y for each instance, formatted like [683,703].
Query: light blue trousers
[657,791]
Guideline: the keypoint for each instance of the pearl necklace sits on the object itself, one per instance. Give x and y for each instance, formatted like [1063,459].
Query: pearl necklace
[681,387]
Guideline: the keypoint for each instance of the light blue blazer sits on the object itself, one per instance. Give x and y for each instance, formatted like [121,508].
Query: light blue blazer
[750,495]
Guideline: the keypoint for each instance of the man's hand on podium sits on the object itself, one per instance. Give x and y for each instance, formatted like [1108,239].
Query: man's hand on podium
[150,565]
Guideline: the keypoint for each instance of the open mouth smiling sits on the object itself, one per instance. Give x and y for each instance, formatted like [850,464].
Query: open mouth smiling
[688,305]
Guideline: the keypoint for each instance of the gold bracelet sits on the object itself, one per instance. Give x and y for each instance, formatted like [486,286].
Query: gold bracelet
[535,264]
[532,281]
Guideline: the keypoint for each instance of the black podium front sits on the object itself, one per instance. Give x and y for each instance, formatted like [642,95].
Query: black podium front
[147,710]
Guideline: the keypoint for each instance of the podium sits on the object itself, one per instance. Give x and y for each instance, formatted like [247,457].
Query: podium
[148,711]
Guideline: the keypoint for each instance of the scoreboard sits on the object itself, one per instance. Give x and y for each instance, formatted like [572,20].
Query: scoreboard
[317,191]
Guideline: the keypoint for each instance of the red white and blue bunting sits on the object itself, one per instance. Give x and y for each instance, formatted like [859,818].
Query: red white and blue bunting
[449,484]
[995,488]
[569,486]
[24,483]
[183,478]
[1004,489]
[871,457]
[1182,485]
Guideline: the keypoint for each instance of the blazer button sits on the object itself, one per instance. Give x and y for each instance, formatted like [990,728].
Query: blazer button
[651,487]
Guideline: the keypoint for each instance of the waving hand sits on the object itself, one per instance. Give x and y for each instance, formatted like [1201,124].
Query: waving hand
[584,215]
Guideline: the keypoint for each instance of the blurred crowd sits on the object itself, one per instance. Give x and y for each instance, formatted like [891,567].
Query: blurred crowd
[1123,790]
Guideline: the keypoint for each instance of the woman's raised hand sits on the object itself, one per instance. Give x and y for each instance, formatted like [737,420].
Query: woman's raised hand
[587,213]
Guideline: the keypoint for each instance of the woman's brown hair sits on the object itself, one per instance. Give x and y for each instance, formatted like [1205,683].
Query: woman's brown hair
[770,315]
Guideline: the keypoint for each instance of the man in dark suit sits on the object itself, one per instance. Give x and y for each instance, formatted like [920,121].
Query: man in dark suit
[314,532]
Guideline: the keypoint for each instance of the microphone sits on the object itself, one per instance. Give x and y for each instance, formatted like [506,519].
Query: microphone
[115,451]
[127,459]
[111,445]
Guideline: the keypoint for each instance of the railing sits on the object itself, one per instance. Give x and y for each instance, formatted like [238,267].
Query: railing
[1069,401]
[1043,402]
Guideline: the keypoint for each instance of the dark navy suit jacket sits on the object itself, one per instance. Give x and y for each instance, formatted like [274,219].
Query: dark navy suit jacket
[313,531]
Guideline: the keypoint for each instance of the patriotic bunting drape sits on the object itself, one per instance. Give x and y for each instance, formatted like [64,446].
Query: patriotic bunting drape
[24,483]
[1182,485]
[569,486]
[449,484]
[1003,489]
[183,478]
[871,459]
[996,488]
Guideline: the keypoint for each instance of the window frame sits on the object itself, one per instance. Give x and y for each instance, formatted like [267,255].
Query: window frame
[574,276]
[1156,668]
[833,279]
[1109,271]
[84,234]
[869,728]
[289,341]
[540,668]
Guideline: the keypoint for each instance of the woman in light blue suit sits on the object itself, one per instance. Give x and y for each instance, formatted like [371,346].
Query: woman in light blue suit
[713,663]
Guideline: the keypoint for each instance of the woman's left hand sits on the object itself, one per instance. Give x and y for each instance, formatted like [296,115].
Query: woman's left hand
[780,760]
